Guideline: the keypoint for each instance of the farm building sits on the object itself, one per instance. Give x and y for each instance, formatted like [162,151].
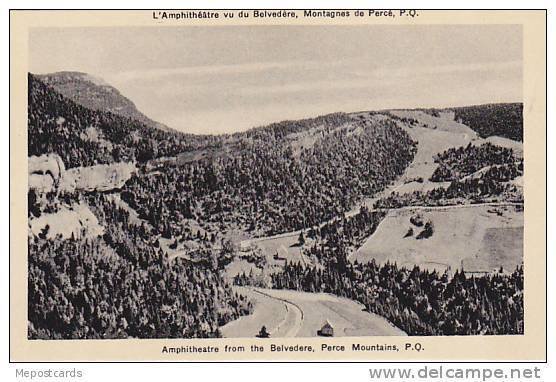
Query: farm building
[327,330]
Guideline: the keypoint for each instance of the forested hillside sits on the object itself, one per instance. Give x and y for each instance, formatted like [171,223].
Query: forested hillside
[83,137]
[476,173]
[503,120]
[95,94]
[272,184]
[121,285]
[457,163]
[418,301]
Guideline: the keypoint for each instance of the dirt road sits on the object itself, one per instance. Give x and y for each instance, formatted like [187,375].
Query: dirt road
[293,320]
[287,313]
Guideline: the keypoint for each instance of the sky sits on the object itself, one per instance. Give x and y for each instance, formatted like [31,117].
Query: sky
[203,79]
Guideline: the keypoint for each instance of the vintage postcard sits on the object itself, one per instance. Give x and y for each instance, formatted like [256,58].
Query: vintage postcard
[304,185]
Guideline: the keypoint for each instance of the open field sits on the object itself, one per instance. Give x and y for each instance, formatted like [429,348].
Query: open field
[285,246]
[482,238]
[287,313]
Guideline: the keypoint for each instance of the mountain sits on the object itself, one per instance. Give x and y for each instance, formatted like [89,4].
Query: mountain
[94,93]
[82,136]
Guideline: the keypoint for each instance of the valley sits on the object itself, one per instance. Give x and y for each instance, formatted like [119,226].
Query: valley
[355,219]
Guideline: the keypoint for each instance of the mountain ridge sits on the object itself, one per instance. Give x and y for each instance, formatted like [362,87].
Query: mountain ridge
[96,94]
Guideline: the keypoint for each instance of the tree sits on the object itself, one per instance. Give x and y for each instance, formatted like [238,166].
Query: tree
[263,333]
[301,239]
[32,204]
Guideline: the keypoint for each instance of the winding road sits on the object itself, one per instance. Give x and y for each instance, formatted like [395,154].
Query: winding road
[292,322]
[288,313]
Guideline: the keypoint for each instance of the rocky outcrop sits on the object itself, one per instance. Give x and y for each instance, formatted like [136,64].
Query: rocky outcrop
[102,177]
[77,220]
[47,173]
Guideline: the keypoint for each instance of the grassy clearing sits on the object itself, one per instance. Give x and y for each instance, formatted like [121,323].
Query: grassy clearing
[483,238]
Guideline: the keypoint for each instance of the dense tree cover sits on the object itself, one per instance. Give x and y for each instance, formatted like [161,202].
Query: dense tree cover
[49,202]
[291,175]
[121,285]
[504,173]
[420,302]
[456,163]
[484,189]
[265,186]
[59,125]
[410,122]
[332,241]
[277,131]
[503,120]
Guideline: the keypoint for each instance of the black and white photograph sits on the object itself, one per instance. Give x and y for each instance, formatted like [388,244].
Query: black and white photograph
[275,181]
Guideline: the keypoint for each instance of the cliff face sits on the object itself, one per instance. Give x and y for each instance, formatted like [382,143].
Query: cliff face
[102,177]
[62,217]
[77,220]
[47,173]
